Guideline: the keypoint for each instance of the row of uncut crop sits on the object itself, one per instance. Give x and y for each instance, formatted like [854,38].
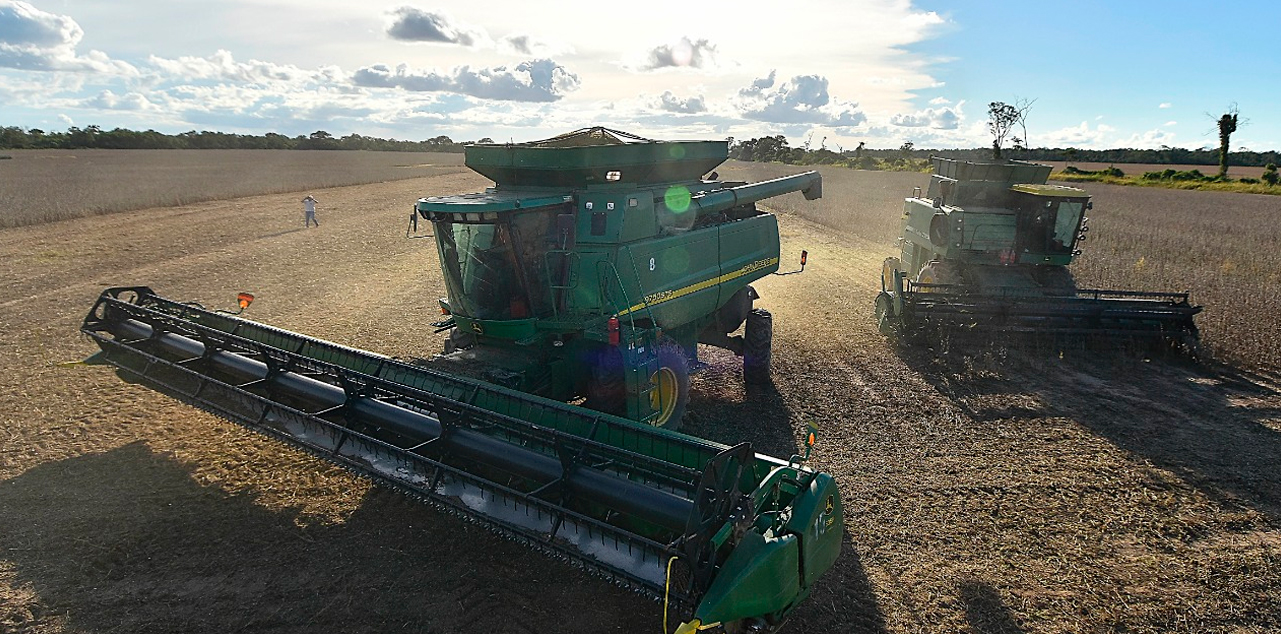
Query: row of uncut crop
[39,186]
[1221,247]
[1225,248]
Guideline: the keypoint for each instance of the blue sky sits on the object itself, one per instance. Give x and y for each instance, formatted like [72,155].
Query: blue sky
[1099,74]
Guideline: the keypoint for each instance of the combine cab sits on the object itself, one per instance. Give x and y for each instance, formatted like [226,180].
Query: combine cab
[986,252]
[576,273]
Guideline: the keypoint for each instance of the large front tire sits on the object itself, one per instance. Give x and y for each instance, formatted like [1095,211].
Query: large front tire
[670,394]
[886,320]
[757,347]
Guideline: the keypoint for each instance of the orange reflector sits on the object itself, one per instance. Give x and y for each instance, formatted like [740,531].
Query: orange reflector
[811,440]
[804,256]
[245,299]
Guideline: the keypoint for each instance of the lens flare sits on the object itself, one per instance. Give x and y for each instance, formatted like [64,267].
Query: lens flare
[677,198]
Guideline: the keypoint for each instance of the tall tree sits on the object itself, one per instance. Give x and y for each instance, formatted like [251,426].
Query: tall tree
[1227,125]
[1001,118]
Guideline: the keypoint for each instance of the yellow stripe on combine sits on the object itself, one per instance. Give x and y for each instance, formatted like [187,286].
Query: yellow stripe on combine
[664,296]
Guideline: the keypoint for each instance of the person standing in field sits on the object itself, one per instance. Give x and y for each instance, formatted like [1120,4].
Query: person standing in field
[309,211]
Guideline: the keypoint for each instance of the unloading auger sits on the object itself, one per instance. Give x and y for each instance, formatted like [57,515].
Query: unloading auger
[725,537]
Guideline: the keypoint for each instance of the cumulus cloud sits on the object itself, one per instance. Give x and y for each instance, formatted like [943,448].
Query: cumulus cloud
[682,54]
[1149,140]
[801,99]
[529,45]
[107,100]
[936,118]
[940,101]
[1166,105]
[31,39]
[222,66]
[1079,136]
[410,24]
[535,80]
[669,102]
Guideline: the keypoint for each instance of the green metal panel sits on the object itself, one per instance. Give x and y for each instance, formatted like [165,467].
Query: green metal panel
[749,250]
[761,576]
[676,278]
[817,517]
[1059,191]
[488,201]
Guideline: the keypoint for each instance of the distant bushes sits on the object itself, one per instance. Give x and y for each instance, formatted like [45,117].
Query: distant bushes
[1110,171]
[1178,175]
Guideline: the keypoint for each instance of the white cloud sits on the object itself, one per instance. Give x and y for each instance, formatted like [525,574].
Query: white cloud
[685,53]
[531,46]
[221,66]
[1078,136]
[107,100]
[1166,105]
[936,118]
[801,99]
[940,101]
[536,80]
[668,102]
[410,24]
[1170,123]
[1148,140]
[31,39]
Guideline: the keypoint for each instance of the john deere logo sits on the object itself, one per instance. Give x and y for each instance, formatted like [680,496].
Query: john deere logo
[831,506]
[480,330]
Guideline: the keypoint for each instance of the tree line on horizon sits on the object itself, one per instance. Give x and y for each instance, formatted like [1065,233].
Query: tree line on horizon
[776,149]
[768,148]
[94,137]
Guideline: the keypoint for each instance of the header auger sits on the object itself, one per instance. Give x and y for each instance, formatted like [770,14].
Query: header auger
[593,267]
[985,251]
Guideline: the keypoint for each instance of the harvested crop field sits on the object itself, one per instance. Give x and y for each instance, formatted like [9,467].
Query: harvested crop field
[1137,169]
[1003,491]
[50,185]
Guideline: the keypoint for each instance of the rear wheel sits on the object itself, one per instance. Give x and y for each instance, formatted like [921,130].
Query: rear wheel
[757,347]
[940,273]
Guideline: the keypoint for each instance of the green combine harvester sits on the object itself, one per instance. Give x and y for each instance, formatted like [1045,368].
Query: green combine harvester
[985,253]
[597,264]
[592,268]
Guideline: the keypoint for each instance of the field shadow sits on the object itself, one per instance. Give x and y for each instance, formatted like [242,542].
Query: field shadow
[757,414]
[280,233]
[127,540]
[844,599]
[1206,423]
[985,612]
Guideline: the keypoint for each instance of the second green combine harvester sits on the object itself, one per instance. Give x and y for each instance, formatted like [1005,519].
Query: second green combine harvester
[594,266]
[985,252]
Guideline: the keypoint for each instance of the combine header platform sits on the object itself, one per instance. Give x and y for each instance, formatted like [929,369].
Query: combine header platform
[985,251]
[725,537]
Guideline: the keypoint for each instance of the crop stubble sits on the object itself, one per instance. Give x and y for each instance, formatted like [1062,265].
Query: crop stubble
[995,493]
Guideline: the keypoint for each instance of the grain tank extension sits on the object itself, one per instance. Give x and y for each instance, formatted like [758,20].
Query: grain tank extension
[598,262]
[986,252]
